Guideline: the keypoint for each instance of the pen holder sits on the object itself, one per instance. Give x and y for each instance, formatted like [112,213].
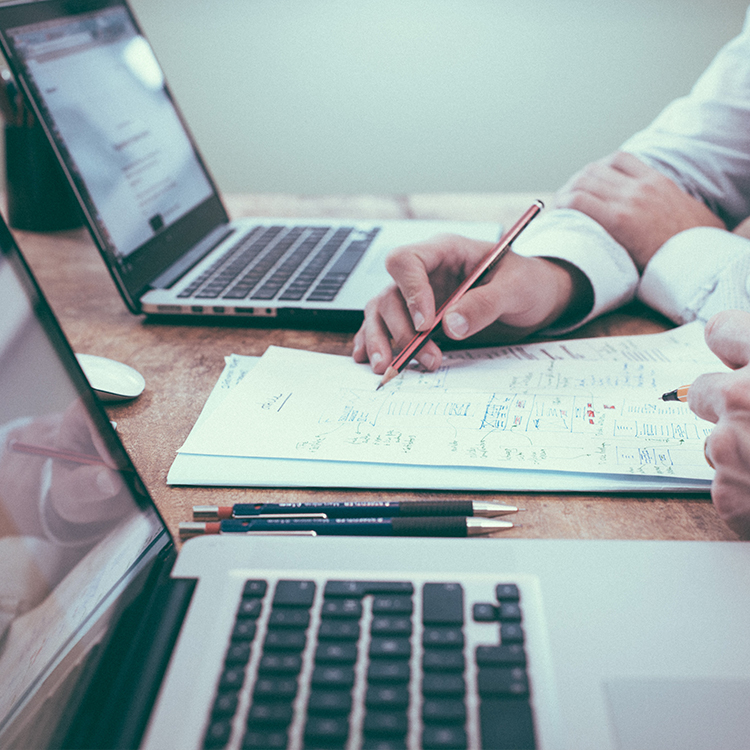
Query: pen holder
[39,198]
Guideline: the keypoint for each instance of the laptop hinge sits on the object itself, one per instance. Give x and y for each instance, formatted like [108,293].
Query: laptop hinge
[115,708]
[185,262]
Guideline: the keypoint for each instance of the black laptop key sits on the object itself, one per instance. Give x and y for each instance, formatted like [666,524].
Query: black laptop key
[510,682]
[484,612]
[438,684]
[329,676]
[225,704]
[238,653]
[386,724]
[289,618]
[511,654]
[511,632]
[387,696]
[384,743]
[442,637]
[285,640]
[232,678]
[391,604]
[436,737]
[280,663]
[443,711]
[337,653]
[362,588]
[336,702]
[336,630]
[249,608]
[348,608]
[507,592]
[509,611]
[506,724]
[443,660]
[389,671]
[270,714]
[387,625]
[390,648]
[275,688]
[326,731]
[244,630]
[254,589]
[264,740]
[218,733]
[294,594]
[442,604]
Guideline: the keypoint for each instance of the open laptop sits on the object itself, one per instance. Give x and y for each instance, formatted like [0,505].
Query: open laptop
[109,639]
[148,199]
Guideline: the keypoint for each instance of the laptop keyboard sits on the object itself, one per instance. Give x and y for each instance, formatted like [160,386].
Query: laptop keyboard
[285,263]
[375,665]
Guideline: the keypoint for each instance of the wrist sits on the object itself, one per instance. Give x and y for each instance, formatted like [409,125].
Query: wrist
[573,296]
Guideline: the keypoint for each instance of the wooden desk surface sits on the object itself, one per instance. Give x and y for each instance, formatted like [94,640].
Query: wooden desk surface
[181,364]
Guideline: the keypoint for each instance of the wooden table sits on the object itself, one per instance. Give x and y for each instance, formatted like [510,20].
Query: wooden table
[181,364]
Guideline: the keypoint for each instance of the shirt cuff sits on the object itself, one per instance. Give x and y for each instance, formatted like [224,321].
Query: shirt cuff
[697,273]
[571,236]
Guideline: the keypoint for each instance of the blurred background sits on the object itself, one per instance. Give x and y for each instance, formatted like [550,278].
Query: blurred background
[398,96]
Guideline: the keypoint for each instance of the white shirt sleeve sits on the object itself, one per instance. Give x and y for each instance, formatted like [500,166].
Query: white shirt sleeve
[702,140]
[564,234]
[698,273]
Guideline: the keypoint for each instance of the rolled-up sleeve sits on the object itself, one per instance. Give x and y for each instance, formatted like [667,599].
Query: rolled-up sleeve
[697,273]
[573,237]
[702,140]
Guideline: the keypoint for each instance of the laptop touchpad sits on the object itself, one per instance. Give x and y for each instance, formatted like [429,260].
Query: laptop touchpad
[684,714]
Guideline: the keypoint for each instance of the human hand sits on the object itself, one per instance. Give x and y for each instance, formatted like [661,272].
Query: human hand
[724,399]
[84,493]
[518,297]
[639,206]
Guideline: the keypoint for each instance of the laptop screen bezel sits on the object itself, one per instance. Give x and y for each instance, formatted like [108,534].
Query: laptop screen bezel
[134,273]
[160,544]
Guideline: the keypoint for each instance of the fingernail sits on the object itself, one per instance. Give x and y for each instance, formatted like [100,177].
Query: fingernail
[376,359]
[428,361]
[418,320]
[456,324]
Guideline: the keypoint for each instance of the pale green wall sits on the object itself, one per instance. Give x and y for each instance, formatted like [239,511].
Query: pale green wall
[347,96]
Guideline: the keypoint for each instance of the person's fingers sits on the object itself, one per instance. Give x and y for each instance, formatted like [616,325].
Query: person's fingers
[85,494]
[386,320]
[728,451]
[428,272]
[728,336]
[522,293]
[705,396]
[374,342]
[408,266]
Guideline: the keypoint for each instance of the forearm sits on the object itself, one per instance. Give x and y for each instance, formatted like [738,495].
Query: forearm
[605,274]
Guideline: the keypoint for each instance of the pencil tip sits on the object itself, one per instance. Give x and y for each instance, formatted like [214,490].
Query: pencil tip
[390,373]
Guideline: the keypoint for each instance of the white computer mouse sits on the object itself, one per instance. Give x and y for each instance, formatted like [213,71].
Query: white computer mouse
[111,380]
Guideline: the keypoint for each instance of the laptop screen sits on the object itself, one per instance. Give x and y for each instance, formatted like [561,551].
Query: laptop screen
[130,150]
[75,522]
[101,96]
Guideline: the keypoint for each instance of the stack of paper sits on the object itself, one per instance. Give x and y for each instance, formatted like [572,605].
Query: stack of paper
[579,415]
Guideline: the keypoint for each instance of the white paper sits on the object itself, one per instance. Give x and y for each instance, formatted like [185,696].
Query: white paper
[577,407]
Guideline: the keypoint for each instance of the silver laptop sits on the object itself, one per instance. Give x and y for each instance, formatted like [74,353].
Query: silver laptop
[149,201]
[109,639]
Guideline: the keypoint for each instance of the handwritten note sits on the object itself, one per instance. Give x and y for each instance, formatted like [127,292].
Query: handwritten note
[584,406]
